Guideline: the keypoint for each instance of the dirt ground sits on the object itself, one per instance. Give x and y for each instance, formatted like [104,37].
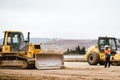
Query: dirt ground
[72,71]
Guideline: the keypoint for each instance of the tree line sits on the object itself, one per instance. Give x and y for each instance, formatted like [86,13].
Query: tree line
[77,50]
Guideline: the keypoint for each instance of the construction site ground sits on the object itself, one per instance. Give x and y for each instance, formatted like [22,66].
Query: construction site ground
[78,69]
[72,71]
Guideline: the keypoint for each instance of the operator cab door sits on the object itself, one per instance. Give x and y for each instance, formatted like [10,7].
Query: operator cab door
[14,40]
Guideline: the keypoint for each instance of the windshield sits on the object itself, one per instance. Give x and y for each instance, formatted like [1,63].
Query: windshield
[109,41]
[112,44]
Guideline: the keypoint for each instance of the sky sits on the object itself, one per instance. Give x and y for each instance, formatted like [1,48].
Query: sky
[66,19]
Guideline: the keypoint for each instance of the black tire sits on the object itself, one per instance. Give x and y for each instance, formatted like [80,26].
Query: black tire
[93,58]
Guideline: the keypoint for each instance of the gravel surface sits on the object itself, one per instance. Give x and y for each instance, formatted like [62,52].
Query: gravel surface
[72,71]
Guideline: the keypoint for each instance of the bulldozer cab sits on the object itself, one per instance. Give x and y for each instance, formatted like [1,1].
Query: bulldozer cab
[111,41]
[13,40]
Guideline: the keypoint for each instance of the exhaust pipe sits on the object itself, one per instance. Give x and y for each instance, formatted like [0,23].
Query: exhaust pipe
[28,37]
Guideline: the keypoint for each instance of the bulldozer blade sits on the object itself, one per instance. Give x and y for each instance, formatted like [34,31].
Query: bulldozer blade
[49,61]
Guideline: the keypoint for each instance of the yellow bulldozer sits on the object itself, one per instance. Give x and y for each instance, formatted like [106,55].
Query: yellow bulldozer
[95,54]
[17,52]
